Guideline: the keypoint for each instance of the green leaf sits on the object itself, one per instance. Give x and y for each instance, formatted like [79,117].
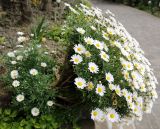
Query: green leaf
[13,114]
[48,118]
[7,111]
[37,126]
[23,122]
[0,111]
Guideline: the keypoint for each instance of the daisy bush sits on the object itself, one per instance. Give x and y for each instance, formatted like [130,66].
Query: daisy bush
[113,74]
[30,77]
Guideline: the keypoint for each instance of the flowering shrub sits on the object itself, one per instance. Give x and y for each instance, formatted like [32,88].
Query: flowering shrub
[110,76]
[112,71]
[31,76]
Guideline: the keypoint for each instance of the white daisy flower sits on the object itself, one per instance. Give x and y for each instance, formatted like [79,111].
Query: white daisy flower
[135,84]
[97,115]
[20,33]
[80,30]
[20,98]
[110,30]
[14,74]
[35,111]
[93,28]
[90,86]
[129,66]
[109,77]
[15,83]
[154,94]
[98,44]
[19,58]
[73,10]
[80,83]
[80,49]
[135,75]
[21,39]
[118,90]
[106,48]
[112,115]
[58,1]
[105,35]
[76,59]
[126,75]
[87,54]
[131,105]
[93,68]
[137,110]
[10,54]
[88,40]
[112,87]
[124,92]
[129,97]
[143,87]
[104,56]
[100,90]
[32,35]
[33,72]
[46,53]
[43,64]
[50,103]
[13,62]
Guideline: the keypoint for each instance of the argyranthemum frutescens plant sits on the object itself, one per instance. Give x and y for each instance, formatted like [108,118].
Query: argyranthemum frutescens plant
[113,74]
[31,76]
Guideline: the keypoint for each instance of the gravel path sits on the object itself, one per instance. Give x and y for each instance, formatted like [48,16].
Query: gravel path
[146,29]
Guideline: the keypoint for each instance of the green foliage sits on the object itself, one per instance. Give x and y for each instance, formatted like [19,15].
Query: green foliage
[31,75]
[85,2]
[2,40]
[39,31]
[12,120]
[114,66]
[151,6]
[36,87]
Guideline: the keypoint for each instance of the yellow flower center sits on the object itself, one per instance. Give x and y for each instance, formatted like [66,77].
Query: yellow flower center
[136,65]
[112,116]
[106,35]
[135,110]
[80,84]
[79,49]
[92,68]
[88,54]
[110,33]
[129,97]
[90,86]
[76,60]
[134,76]
[124,93]
[97,45]
[99,90]
[129,66]
[95,113]
[117,91]
[104,56]
[108,78]
[89,42]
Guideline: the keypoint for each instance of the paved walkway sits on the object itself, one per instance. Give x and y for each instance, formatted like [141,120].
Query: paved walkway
[146,29]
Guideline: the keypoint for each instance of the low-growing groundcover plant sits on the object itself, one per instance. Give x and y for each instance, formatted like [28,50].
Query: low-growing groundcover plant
[10,119]
[105,75]
[112,72]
